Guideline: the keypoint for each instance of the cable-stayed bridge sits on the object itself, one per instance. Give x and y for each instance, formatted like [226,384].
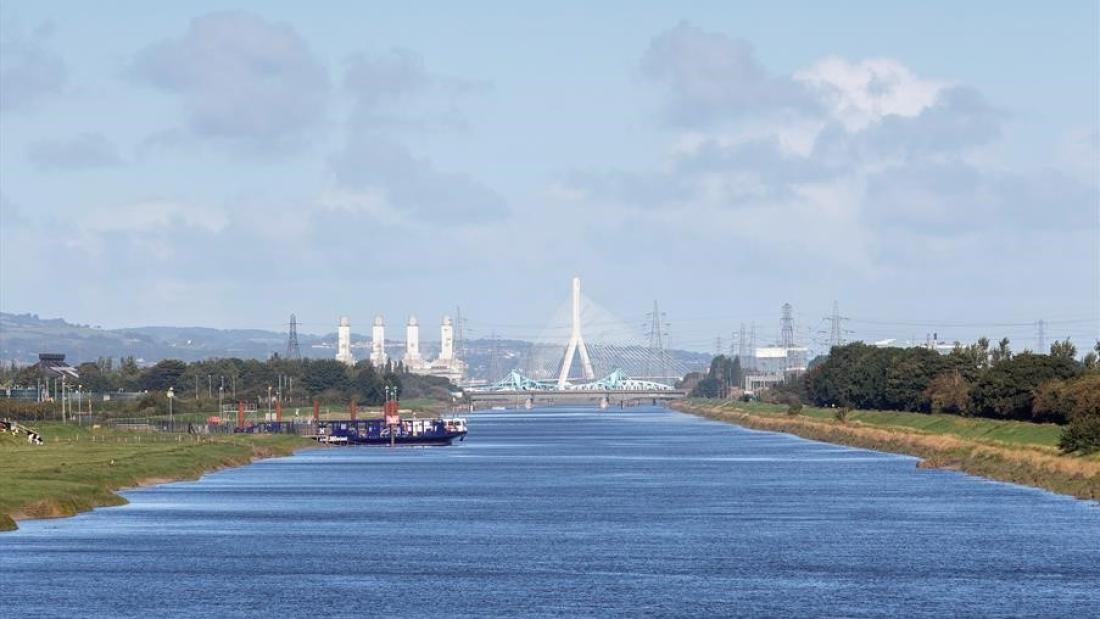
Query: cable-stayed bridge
[568,360]
[583,341]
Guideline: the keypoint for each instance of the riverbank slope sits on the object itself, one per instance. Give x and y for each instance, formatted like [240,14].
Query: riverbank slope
[1011,451]
[79,469]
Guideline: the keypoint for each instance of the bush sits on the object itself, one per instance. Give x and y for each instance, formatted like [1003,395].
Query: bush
[948,393]
[841,414]
[26,410]
[1081,435]
[794,406]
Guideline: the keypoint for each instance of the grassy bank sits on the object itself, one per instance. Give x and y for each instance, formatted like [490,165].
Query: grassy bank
[1012,451]
[79,469]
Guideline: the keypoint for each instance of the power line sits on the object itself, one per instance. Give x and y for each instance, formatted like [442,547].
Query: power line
[293,352]
[658,358]
[786,332]
[836,332]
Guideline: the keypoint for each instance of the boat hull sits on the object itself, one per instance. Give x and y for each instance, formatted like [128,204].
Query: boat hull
[408,441]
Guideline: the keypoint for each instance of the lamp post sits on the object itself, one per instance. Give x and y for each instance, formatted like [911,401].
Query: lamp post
[171,419]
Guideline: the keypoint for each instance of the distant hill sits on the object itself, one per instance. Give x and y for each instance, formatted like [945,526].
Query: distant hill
[23,336]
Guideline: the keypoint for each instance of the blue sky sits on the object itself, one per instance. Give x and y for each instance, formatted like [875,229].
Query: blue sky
[932,167]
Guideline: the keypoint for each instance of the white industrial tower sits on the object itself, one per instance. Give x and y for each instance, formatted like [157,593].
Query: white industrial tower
[343,342]
[446,342]
[412,344]
[576,342]
[378,342]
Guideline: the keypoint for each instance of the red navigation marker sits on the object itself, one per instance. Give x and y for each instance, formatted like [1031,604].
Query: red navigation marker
[390,411]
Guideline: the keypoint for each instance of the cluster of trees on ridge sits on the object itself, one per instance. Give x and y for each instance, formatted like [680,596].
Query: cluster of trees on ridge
[976,380]
[196,385]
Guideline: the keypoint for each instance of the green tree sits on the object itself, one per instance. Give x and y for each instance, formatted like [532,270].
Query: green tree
[867,377]
[129,374]
[1063,348]
[1001,353]
[1081,398]
[368,385]
[706,388]
[724,374]
[93,378]
[323,375]
[163,375]
[1006,390]
[1090,361]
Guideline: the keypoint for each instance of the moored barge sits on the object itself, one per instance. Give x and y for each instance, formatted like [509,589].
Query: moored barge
[424,432]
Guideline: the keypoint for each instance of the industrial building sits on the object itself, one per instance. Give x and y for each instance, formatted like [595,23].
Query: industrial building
[446,365]
[771,365]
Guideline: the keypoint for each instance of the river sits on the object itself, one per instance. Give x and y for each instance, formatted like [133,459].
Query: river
[569,512]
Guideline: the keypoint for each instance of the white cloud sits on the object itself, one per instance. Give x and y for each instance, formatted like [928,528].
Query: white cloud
[860,94]
[241,78]
[868,157]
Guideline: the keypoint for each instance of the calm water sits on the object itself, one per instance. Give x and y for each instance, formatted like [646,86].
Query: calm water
[568,513]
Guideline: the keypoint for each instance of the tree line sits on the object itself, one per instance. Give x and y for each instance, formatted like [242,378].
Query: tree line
[250,380]
[979,380]
[975,380]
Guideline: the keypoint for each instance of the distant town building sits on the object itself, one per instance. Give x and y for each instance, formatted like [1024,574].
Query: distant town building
[53,365]
[940,346]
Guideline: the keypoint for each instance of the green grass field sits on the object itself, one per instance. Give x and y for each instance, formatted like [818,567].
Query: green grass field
[1009,432]
[80,468]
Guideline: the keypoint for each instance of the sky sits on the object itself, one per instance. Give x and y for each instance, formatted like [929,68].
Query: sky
[930,167]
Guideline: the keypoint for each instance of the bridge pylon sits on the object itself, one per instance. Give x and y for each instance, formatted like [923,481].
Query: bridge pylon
[576,342]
